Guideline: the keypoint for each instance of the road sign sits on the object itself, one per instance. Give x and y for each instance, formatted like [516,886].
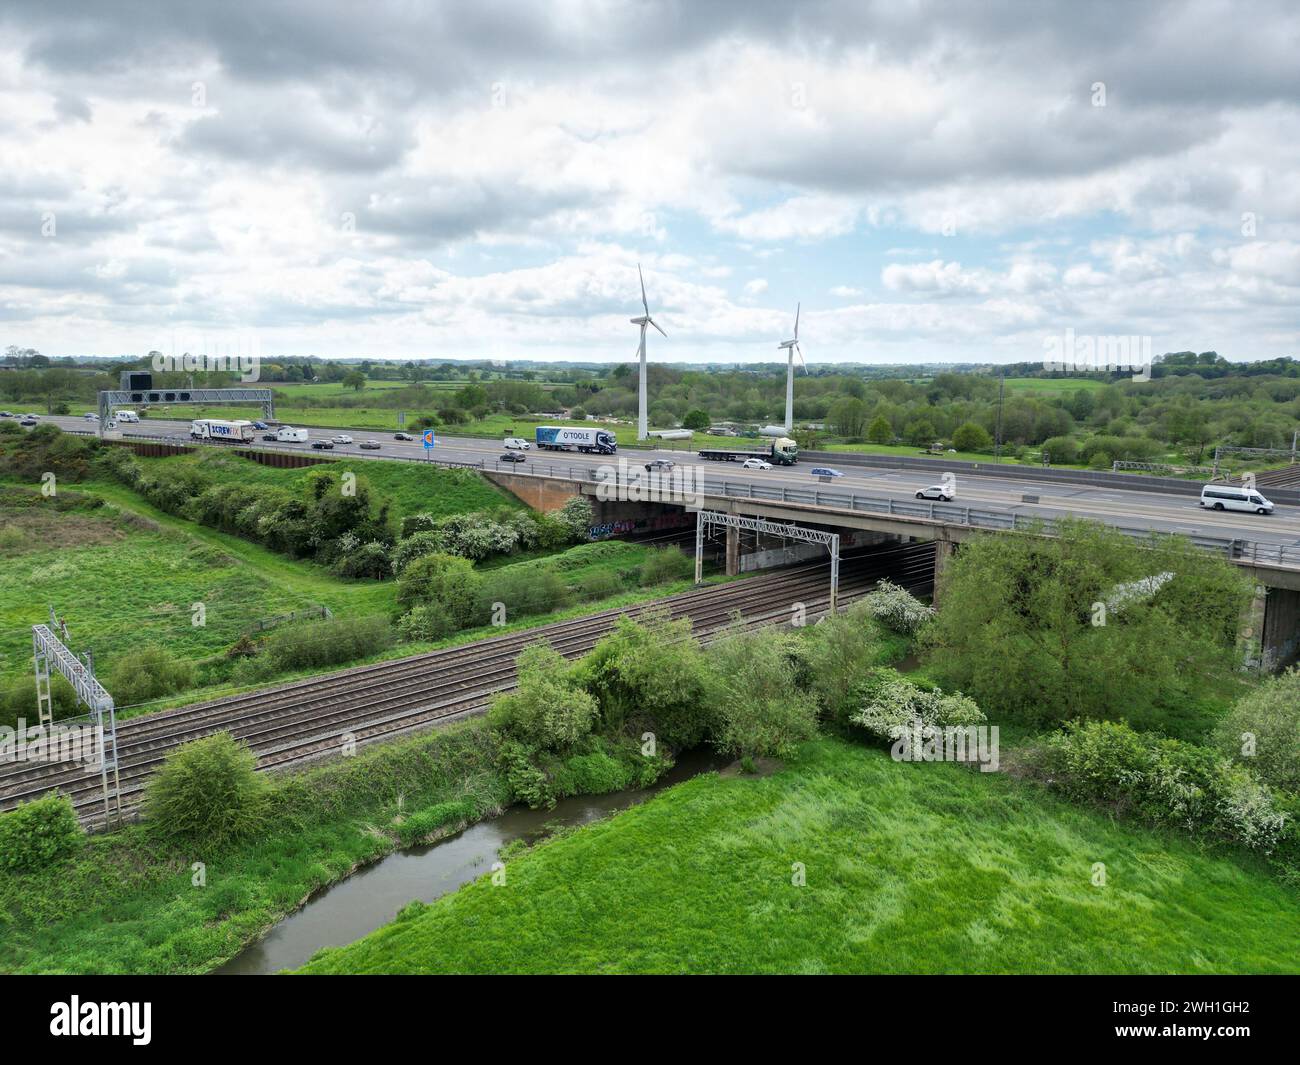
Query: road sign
[401,417]
[429,440]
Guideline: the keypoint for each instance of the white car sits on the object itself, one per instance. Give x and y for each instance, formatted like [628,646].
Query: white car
[342,438]
[936,491]
[755,464]
[517,444]
[92,417]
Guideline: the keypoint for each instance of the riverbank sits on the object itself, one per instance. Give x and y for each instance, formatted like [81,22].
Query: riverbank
[846,861]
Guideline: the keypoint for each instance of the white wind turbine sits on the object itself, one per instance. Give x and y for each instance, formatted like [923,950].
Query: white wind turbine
[642,428]
[791,347]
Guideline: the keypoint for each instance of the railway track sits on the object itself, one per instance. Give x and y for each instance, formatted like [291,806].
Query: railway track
[309,719]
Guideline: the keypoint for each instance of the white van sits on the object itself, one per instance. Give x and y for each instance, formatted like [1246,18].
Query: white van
[516,443]
[287,434]
[127,416]
[1229,497]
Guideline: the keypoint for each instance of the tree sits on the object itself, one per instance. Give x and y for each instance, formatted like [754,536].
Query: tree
[763,710]
[447,583]
[1088,623]
[207,793]
[696,419]
[971,437]
[880,431]
[355,380]
[847,417]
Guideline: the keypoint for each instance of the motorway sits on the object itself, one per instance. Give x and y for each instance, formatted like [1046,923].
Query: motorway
[1134,509]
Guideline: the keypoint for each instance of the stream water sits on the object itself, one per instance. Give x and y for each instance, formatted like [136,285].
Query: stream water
[371,897]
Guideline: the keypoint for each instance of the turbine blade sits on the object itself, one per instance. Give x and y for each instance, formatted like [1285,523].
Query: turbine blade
[643,300]
[656,325]
[796,320]
[799,352]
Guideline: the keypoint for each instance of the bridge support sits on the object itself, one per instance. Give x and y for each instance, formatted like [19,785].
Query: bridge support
[943,552]
[733,551]
[1270,630]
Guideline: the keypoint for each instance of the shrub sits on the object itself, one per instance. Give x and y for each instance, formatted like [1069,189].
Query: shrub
[547,710]
[328,643]
[443,581]
[837,652]
[425,623]
[652,672]
[1162,781]
[575,516]
[207,793]
[599,585]
[149,673]
[1262,731]
[666,564]
[39,833]
[369,560]
[897,608]
[523,591]
[892,707]
[971,436]
[1061,450]
[761,709]
[593,774]
[416,545]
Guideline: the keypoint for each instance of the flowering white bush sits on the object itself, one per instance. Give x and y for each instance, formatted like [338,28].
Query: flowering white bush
[896,608]
[893,705]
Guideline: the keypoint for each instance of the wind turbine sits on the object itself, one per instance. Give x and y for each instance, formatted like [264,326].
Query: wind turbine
[642,428]
[791,347]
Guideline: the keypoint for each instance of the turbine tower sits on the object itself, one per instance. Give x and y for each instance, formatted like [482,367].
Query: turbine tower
[642,427]
[791,348]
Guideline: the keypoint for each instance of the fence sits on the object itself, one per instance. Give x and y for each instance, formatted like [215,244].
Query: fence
[262,624]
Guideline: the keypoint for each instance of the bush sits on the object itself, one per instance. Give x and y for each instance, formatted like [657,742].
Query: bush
[148,673]
[653,673]
[971,436]
[599,585]
[369,560]
[416,545]
[837,652]
[425,623]
[1162,781]
[523,591]
[666,564]
[1062,450]
[39,833]
[575,517]
[1262,731]
[328,643]
[762,711]
[446,582]
[207,793]
[896,608]
[547,710]
[892,708]
[593,774]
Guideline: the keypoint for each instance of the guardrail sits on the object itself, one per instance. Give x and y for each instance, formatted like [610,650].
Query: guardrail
[989,518]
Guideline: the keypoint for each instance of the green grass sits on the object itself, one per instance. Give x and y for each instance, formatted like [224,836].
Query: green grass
[127,904]
[1048,386]
[122,583]
[409,488]
[909,868]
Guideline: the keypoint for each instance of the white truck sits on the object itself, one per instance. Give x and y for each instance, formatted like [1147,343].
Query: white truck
[240,432]
[126,416]
[287,434]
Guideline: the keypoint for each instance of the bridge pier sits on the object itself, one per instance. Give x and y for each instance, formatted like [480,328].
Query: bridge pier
[943,552]
[733,551]
[1270,630]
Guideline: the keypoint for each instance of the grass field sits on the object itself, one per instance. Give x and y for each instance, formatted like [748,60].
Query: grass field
[122,583]
[409,488]
[1049,386]
[909,868]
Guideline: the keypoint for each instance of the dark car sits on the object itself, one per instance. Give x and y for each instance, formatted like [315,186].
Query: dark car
[270,436]
[403,436]
[369,445]
[6,414]
[28,421]
[660,464]
[513,456]
[322,445]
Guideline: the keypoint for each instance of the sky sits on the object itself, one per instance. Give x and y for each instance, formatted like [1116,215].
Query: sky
[932,182]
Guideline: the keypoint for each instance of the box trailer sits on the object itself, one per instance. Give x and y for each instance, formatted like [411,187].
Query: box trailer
[240,432]
[566,438]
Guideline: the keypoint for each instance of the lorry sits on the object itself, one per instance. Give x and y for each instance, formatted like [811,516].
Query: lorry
[783,452]
[567,438]
[240,432]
